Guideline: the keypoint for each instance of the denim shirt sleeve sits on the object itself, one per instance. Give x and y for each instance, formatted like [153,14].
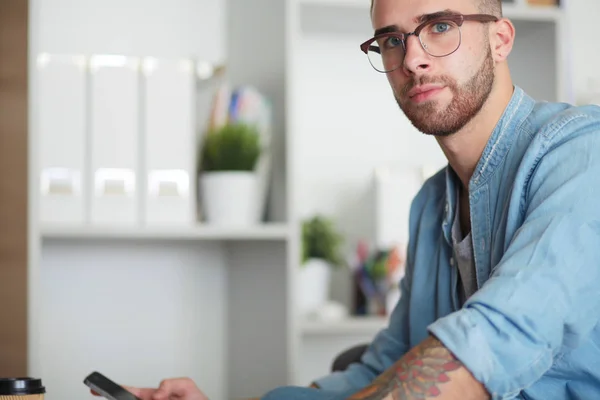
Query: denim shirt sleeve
[543,297]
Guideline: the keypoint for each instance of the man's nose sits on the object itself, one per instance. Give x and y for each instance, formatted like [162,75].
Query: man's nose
[416,59]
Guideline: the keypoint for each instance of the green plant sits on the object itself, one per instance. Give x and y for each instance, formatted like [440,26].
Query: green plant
[231,147]
[321,240]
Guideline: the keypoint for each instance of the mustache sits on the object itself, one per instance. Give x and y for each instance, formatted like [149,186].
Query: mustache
[424,80]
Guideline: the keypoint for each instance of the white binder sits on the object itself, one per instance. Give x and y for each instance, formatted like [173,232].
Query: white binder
[114,136]
[169,142]
[395,189]
[62,138]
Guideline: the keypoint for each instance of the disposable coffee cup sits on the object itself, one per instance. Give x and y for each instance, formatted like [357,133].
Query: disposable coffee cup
[21,389]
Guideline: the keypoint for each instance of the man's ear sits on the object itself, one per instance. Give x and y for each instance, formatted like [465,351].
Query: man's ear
[502,37]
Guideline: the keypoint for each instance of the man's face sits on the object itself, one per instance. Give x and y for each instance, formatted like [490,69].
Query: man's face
[439,95]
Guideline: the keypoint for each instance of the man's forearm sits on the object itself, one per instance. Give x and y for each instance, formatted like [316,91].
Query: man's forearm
[428,371]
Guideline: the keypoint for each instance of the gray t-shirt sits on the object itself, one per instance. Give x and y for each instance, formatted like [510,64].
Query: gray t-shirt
[463,259]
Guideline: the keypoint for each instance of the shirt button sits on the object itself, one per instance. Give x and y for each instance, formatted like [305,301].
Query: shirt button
[452,261]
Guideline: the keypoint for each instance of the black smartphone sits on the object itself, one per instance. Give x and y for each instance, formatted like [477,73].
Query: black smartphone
[107,388]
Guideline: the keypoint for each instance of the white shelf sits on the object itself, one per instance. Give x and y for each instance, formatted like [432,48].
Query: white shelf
[261,232]
[513,11]
[368,325]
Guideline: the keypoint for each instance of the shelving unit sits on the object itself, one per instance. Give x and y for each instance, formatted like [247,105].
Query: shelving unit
[218,305]
[145,302]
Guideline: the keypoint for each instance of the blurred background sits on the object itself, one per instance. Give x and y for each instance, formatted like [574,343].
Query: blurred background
[216,189]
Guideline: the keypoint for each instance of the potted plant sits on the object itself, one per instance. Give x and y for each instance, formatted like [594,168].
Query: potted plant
[228,180]
[321,252]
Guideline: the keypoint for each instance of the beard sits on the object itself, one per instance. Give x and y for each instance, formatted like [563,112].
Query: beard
[467,101]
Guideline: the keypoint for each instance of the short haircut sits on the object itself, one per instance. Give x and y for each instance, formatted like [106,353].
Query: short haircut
[493,7]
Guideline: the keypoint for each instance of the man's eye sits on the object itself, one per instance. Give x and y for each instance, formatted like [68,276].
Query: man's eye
[392,42]
[440,27]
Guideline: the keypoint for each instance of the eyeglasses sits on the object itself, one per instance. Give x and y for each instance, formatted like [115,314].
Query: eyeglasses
[439,37]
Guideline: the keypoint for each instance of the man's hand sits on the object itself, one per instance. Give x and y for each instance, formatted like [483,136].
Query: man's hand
[169,389]
[174,389]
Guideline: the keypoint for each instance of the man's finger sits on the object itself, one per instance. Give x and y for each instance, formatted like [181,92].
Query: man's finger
[142,393]
[175,387]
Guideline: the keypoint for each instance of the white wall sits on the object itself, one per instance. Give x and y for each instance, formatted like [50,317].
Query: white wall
[581,45]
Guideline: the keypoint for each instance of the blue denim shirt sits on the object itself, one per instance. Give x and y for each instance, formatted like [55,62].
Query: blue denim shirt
[531,330]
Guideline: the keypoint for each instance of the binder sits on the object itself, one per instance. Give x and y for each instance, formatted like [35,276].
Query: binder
[169,142]
[395,189]
[114,137]
[62,138]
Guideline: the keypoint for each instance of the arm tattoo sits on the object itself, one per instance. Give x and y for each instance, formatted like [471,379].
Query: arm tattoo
[417,375]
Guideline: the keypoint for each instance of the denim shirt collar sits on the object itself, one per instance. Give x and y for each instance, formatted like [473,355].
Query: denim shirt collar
[498,145]
[503,136]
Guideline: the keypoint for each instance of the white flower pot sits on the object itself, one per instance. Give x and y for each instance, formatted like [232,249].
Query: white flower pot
[229,198]
[313,285]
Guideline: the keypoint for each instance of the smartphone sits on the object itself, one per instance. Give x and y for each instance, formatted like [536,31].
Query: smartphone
[107,388]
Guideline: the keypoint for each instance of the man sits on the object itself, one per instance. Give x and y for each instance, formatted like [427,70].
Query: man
[502,291]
